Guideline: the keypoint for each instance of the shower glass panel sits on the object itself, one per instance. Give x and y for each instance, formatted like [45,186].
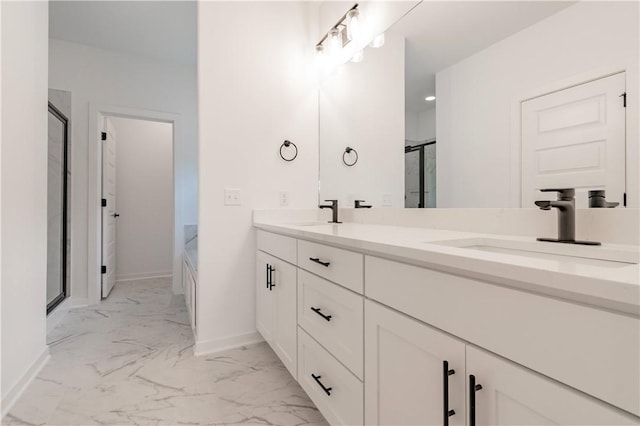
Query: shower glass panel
[420,174]
[56,209]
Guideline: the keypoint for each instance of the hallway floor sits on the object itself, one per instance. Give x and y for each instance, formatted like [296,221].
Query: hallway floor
[129,361]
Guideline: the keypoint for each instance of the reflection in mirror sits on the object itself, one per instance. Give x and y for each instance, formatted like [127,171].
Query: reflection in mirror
[527,96]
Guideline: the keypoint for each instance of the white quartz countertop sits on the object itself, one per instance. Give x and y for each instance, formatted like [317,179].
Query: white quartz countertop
[616,288]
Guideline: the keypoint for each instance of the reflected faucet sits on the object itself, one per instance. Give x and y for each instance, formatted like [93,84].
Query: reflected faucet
[334,209]
[358,205]
[566,205]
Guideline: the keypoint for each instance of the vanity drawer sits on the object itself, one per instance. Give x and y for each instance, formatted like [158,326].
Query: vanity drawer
[589,349]
[277,245]
[344,405]
[337,265]
[334,317]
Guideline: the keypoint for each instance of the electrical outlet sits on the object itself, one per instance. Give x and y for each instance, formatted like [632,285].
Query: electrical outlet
[231,197]
[284,198]
[386,200]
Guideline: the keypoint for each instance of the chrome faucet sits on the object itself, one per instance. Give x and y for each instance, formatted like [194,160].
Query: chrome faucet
[566,205]
[334,209]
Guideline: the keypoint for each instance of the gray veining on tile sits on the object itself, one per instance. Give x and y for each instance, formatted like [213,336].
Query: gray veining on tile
[130,361]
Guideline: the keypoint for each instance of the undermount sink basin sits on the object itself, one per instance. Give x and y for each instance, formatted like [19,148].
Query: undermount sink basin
[570,253]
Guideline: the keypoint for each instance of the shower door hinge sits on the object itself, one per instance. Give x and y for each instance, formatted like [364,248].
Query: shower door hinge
[103,269]
[103,136]
[624,99]
[104,202]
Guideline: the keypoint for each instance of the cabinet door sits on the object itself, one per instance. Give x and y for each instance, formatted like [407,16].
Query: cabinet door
[284,284]
[508,394]
[405,377]
[264,298]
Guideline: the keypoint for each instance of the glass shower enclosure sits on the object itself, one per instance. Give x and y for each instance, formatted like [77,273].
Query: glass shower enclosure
[57,226]
[420,174]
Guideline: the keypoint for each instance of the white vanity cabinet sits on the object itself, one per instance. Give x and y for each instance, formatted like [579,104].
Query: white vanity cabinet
[381,342]
[414,374]
[276,316]
[508,394]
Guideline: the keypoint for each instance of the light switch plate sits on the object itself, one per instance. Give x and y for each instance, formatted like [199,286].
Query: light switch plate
[386,200]
[231,197]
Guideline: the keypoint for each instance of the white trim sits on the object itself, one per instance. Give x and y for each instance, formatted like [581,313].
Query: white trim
[218,345]
[97,113]
[16,391]
[515,124]
[143,276]
[56,316]
[79,302]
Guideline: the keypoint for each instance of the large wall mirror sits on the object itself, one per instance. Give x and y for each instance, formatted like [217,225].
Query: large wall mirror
[482,104]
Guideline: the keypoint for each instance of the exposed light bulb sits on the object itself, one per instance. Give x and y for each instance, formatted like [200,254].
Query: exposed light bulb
[335,42]
[353,25]
[378,41]
[320,56]
[358,56]
[430,98]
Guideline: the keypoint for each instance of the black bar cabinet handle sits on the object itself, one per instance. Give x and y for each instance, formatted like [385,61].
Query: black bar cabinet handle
[446,413]
[271,271]
[317,311]
[473,388]
[268,274]
[317,260]
[325,389]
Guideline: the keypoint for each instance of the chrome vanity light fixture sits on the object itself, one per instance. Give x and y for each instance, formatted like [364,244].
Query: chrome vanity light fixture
[343,41]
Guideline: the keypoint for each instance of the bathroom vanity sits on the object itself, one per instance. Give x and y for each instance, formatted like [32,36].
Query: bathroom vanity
[397,325]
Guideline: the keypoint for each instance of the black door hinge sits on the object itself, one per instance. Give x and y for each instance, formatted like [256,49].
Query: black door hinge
[624,199]
[624,99]
[103,136]
[103,269]
[104,202]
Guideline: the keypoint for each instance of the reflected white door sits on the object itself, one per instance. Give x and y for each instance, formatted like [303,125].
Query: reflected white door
[109,210]
[575,138]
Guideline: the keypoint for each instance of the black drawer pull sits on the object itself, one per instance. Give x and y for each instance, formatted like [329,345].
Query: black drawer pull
[473,388]
[317,260]
[446,413]
[317,379]
[317,311]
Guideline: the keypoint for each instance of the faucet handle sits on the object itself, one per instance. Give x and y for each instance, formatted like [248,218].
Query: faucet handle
[562,192]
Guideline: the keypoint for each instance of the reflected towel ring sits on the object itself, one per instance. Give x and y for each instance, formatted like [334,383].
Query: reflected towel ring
[349,150]
[287,144]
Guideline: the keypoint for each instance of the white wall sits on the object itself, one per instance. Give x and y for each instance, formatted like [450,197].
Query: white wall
[255,91]
[363,107]
[24,194]
[95,75]
[420,125]
[475,96]
[144,198]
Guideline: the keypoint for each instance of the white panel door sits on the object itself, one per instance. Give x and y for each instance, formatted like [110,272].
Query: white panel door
[575,138]
[109,213]
[512,395]
[405,381]
[285,327]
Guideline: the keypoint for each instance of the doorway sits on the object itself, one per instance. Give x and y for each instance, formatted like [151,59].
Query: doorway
[137,201]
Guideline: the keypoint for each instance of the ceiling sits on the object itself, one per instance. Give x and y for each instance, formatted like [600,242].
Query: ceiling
[440,33]
[163,30]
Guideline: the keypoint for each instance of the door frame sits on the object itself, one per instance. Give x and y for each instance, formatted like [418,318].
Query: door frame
[97,114]
[632,126]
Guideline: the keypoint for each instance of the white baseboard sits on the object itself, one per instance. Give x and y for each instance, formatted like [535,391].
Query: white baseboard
[10,398]
[144,276]
[54,318]
[207,347]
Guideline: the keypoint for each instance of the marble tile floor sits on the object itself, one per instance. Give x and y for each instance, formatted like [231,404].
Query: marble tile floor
[129,361]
